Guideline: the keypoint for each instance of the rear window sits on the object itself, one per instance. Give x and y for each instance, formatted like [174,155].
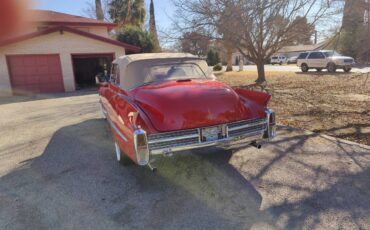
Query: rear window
[274,58]
[302,56]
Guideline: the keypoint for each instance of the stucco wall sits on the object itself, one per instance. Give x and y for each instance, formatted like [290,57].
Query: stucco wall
[63,44]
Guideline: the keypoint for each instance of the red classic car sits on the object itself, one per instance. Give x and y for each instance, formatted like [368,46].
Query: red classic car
[159,104]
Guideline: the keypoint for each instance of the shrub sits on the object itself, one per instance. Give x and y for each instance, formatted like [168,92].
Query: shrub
[212,57]
[217,67]
[134,35]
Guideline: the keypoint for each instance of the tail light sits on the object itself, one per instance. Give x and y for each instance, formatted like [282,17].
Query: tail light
[271,124]
[141,147]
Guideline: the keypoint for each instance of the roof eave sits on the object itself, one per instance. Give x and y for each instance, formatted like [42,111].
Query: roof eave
[20,38]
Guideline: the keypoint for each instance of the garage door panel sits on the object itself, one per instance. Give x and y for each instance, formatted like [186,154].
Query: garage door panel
[35,73]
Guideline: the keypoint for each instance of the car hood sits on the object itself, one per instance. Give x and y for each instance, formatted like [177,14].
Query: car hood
[175,105]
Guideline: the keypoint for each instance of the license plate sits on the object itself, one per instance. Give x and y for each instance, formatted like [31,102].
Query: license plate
[211,133]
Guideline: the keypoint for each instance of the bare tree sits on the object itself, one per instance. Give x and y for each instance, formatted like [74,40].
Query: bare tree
[195,43]
[99,10]
[257,28]
[91,11]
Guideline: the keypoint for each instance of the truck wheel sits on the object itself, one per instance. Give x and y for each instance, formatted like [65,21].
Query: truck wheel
[121,157]
[318,69]
[304,67]
[347,69]
[332,68]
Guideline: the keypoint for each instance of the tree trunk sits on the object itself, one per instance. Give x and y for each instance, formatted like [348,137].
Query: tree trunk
[261,72]
[229,57]
[99,10]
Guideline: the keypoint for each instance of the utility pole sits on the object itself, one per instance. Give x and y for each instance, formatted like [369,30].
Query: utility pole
[315,36]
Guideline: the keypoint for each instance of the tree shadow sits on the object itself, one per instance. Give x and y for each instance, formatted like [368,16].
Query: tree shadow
[311,181]
[299,180]
[77,183]
[324,73]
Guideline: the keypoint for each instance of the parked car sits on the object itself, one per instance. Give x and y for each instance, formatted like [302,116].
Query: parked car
[324,59]
[159,104]
[292,60]
[278,60]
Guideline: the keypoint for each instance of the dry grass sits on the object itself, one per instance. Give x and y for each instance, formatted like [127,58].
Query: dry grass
[337,105]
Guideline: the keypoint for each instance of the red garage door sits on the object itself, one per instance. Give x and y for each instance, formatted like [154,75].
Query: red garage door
[35,73]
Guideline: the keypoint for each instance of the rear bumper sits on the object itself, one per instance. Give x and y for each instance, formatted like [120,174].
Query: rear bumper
[227,143]
[242,139]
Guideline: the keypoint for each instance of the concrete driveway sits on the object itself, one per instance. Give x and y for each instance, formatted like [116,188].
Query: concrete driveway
[58,171]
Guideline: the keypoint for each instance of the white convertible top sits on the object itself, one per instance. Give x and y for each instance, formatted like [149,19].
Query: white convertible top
[141,60]
[147,56]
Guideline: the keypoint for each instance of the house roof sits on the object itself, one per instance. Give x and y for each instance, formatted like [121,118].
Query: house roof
[20,38]
[302,48]
[57,18]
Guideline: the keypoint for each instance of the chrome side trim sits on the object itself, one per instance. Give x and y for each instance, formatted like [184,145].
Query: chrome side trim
[173,138]
[116,130]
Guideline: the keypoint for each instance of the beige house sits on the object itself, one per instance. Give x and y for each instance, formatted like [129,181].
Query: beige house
[58,52]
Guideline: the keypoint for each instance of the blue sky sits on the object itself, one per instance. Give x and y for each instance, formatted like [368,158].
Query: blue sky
[76,7]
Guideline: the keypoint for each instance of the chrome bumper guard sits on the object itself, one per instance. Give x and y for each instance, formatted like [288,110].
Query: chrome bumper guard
[237,135]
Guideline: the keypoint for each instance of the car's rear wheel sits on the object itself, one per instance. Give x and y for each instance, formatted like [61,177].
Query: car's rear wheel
[280,63]
[304,67]
[318,69]
[347,69]
[122,158]
[332,68]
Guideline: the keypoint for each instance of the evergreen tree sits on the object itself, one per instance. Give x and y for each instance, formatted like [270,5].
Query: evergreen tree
[152,27]
[136,36]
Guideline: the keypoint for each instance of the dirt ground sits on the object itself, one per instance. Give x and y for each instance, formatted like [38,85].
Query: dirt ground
[337,105]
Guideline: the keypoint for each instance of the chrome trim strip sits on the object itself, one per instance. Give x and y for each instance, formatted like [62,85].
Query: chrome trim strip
[172,138]
[226,142]
[117,130]
[247,125]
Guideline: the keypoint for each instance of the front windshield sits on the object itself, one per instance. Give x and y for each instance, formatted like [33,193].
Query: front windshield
[331,53]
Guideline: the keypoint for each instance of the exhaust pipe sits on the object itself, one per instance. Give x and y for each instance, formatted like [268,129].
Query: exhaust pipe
[254,144]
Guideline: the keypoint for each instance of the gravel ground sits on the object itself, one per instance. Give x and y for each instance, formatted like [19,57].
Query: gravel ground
[58,171]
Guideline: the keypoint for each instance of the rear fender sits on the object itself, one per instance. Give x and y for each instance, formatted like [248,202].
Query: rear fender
[129,118]
[260,98]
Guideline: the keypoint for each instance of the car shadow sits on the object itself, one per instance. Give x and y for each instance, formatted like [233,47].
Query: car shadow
[77,183]
[300,180]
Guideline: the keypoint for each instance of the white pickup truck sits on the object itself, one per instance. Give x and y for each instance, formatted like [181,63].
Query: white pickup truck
[324,59]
